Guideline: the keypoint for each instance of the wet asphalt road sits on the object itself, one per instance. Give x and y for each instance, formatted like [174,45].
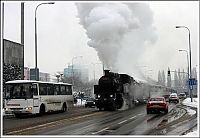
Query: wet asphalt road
[90,122]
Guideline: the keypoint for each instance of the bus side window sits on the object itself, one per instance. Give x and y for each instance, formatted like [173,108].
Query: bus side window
[43,89]
[34,89]
[62,89]
[50,89]
[56,89]
[69,90]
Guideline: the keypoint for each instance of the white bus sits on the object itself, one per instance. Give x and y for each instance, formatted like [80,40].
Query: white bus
[37,97]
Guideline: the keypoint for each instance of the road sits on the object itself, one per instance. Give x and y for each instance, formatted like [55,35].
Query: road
[89,121]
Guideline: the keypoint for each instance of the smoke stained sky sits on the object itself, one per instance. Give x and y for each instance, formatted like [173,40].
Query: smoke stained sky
[61,36]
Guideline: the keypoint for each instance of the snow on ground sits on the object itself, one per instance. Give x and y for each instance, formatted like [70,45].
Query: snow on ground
[188,102]
[194,134]
[190,111]
[80,103]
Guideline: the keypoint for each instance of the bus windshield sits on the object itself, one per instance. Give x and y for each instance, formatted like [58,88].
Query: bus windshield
[19,91]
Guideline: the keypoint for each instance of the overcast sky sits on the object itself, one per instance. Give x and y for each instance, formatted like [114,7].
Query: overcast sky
[61,36]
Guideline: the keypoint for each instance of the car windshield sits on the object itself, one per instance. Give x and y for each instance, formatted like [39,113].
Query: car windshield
[19,91]
[156,99]
[90,99]
[174,95]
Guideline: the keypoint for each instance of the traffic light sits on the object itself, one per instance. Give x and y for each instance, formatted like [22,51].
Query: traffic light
[168,73]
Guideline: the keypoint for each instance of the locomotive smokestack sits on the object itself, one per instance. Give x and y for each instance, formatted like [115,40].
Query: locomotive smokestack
[106,72]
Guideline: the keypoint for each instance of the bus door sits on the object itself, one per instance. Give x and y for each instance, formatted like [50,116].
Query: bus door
[35,97]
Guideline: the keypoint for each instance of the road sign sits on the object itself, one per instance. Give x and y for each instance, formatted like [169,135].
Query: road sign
[192,81]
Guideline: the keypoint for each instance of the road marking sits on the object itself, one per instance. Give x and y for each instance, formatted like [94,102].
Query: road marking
[122,122]
[54,123]
[133,117]
[140,114]
[100,130]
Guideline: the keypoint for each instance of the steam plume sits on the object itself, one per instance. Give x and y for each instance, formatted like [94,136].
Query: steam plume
[118,32]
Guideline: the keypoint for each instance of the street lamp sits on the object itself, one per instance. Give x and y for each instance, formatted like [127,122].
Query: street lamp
[36,73]
[73,68]
[190,57]
[182,50]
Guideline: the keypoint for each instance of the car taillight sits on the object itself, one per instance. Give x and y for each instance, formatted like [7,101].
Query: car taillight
[149,104]
[162,104]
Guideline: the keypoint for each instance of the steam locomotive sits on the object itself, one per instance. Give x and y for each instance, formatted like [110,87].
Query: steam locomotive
[120,91]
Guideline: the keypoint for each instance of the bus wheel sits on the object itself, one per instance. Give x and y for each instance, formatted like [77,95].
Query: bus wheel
[64,107]
[42,109]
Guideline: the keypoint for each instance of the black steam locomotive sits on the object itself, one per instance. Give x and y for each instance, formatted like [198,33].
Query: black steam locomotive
[115,91]
[120,91]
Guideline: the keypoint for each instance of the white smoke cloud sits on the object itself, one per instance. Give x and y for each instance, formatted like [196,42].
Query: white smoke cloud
[118,32]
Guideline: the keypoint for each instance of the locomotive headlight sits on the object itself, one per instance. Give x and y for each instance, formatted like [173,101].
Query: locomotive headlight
[98,96]
[111,95]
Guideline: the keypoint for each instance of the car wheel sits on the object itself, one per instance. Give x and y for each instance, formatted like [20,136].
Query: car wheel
[148,111]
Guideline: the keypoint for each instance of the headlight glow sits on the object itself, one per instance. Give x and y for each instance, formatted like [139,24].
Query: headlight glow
[28,108]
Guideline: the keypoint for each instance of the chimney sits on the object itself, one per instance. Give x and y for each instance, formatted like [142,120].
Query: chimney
[106,72]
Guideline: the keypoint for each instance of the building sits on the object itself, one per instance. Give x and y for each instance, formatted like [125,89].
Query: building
[29,74]
[13,61]
[78,71]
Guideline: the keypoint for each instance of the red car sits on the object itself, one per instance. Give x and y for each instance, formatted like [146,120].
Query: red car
[157,104]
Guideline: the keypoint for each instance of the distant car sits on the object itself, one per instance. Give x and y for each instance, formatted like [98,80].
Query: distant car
[182,95]
[157,104]
[90,102]
[166,97]
[173,98]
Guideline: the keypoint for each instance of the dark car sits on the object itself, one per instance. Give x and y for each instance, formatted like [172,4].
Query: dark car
[182,95]
[90,102]
[157,104]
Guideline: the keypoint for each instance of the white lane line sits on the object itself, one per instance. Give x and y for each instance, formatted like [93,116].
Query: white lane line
[122,122]
[100,131]
[140,114]
[133,117]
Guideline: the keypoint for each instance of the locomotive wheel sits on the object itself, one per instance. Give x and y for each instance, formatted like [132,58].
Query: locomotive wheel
[119,103]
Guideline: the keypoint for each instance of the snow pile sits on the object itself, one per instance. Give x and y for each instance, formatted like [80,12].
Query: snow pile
[80,103]
[188,102]
[190,111]
[194,134]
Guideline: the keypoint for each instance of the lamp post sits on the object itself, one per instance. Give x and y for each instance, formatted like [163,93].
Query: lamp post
[73,68]
[36,72]
[190,68]
[182,50]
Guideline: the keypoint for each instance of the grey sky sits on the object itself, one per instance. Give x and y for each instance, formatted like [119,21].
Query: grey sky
[61,37]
